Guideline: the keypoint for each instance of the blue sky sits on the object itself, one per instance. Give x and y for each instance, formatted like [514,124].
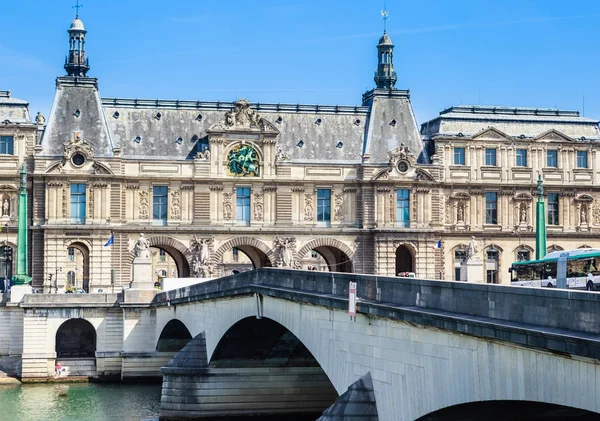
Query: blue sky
[536,53]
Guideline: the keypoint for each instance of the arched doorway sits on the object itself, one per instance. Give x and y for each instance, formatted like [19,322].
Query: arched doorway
[76,338]
[268,344]
[163,264]
[336,255]
[173,337]
[78,268]
[404,261]
[509,410]
[240,254]
[314,260]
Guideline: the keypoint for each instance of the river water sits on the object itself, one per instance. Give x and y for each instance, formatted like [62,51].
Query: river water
[91,402]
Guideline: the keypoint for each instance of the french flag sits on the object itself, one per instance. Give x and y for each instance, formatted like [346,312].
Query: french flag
[437,245]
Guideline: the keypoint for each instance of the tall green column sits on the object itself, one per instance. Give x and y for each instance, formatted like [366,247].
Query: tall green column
[22,276]
[540,224]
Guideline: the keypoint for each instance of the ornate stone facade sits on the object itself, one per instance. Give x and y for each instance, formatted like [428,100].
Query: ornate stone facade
[222,187]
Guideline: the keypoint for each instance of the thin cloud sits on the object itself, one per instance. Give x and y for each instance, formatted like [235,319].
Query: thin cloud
[455,27]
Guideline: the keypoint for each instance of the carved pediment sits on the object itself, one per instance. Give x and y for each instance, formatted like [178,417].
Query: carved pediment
[243,118]
[460,196]
[554,136]
[584,198]
[491,133]
[523,197]
[383,174]
[399,153]
[422,175]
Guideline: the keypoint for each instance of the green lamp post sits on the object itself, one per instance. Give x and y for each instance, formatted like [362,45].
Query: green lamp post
[540,224]
[22,276]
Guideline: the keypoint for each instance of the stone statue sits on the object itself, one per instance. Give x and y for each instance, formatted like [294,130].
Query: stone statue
[286,253]
[280,155]
[460,213]
[6,207]
[200,256]
[583,215]
[472,248]
[142,247]
[40,120]
[523,213]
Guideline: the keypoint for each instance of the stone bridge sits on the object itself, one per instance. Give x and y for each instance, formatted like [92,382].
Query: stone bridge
[281,341]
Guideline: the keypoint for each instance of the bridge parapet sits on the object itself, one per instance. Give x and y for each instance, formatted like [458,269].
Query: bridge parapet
[575,311]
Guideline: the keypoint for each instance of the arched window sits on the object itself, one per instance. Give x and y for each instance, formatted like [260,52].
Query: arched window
[71,278]
[523,255]
[492,266]
[460,254]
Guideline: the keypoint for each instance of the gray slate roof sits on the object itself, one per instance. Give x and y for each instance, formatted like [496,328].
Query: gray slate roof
[514,121]
[169,130]
[12,109]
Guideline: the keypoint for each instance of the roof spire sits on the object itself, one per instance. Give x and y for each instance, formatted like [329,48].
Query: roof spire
[77,7]
[76,63]
[385,16]
[385,76]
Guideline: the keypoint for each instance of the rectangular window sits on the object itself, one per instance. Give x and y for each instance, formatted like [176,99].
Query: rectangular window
[552,208]
[523,255]
[459,156]
[492,266]
[521,157]
[491,208]
[163,255]
[235,254]
[552,159]
[490,157]
[324,205]
[242,205]
[582,159]
[7,145]
[160,204]
[403,207]
[71,254]
[78,203]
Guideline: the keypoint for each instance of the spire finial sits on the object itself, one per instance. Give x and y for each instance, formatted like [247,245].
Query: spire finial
[385,16]
[77,7]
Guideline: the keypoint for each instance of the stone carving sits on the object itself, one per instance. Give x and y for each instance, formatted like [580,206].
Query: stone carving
[258,206]
[392,207]
[284,249]
[204,154]
[91,203]
[242,117]
[280,156]
[144,205]
[175,204]
[583,215]
[77,144]
[460,212]
[243,160]
[596,212]
[309,209]
[99,169]
[227,206]
[338,210]
[472,250]
[523,213]
[200,249]
[6,206]
[64,202]
[141,248]
[40,120]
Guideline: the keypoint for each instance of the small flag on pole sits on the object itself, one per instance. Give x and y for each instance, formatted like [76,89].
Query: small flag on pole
[110,241]
[438,245]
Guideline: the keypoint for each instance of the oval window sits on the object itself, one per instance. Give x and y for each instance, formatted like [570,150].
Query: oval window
[78,159]
[402,166]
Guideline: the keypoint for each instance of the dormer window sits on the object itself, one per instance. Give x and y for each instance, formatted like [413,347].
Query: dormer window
[179,141]
[77,113]
[137,139]
[300,143]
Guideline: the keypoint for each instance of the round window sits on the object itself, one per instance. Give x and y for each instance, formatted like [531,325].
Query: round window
[78,159]
[402,166]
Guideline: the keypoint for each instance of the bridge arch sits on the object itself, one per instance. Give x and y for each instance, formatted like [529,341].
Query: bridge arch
[75,338]
[509,410]
[257,251]
[174,336]
[338,255]
[179,252]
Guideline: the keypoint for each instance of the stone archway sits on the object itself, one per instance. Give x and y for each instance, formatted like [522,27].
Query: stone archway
[76,338]
[77,267]
[258,252]
[405,260]
[180,253]
[174,336]
[338,255]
